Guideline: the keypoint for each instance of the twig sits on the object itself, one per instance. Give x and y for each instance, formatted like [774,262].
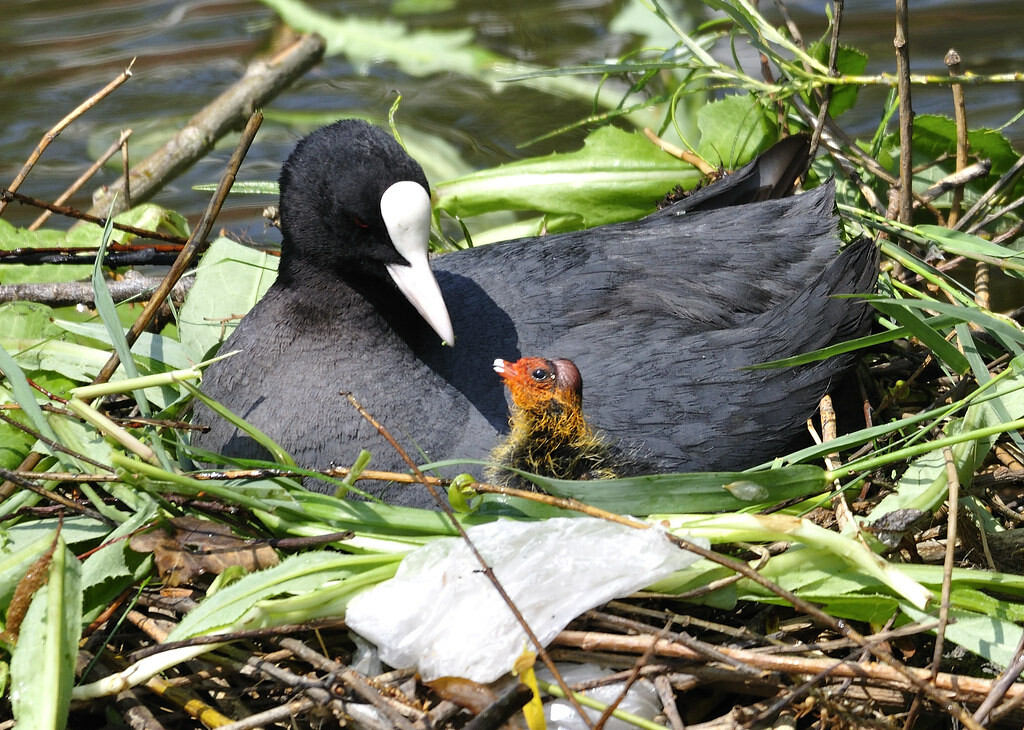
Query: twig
[947,578]
[953,502]
[262,81]
[62,125]
[70,293]
[126,186]
[960,687]
[499,712]
[267,718]
[679,153]
[82,179]
[69,212]
[1003,684]
[668,702]
[826,91]
[348,676]
[54,496]
[1006,180]
[841,627]
[902,43]
[952,61]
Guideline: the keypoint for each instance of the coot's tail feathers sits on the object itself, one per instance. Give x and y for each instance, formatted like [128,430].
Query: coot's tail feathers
[769,176]
[854,271]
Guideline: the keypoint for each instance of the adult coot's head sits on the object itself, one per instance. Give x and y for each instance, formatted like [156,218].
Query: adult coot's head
[354,205]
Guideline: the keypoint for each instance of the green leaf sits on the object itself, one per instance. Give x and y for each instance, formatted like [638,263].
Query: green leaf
[420,52]
[935,137]
[107,572]
[734,130]
[323,581]
[616,176]
[914,322]
[690,493]
[230,279]
[148,216]
[43,661]
[849,62]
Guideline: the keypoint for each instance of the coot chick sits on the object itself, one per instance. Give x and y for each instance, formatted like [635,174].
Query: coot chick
[548,433]
[662,314]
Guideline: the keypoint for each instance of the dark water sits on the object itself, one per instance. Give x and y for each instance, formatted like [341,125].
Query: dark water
[54,53]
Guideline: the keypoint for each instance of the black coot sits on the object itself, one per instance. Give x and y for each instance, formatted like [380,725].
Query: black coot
[660,314]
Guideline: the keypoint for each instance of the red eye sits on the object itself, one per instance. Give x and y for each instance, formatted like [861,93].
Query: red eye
[360,222]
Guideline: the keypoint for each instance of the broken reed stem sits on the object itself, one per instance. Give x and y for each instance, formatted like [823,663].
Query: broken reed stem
[62,125]
[126,189]
[902,44]
[962,687]
[952,62]
[947,568]
[826,91]
[82,179]
[263,79]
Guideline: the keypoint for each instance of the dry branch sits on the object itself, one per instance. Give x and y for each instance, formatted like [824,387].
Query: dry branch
[262,81]
[70,293]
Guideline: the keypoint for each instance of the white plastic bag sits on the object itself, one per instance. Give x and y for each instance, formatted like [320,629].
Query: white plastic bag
[443,616]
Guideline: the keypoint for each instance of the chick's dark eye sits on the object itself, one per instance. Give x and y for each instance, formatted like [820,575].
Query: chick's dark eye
[540,374]
[359,221]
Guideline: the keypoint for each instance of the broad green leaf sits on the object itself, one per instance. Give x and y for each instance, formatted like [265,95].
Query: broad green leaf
[616,176]
[14,443]
[849,62]
[421,52]
[230,279]
[158,349]
[26,320]
[991,638]
[935,136]
[43,661]
[691,493]
[733,130]
[107,572]
[12,238]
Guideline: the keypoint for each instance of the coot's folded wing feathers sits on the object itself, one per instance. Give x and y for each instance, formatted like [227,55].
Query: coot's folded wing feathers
[711,398]
[693,267]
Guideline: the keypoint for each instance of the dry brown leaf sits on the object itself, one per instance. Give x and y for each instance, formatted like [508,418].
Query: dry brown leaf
[186,547]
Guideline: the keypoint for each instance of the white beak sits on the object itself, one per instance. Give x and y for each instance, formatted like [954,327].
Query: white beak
[405,207]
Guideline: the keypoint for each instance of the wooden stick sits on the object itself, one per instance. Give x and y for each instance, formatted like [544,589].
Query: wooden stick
[262,81]
[62,125]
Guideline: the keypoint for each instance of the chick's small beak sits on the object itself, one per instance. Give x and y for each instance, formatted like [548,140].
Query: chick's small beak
[504,368]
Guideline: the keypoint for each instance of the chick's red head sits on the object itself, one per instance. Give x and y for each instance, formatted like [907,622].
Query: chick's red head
[534,381]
